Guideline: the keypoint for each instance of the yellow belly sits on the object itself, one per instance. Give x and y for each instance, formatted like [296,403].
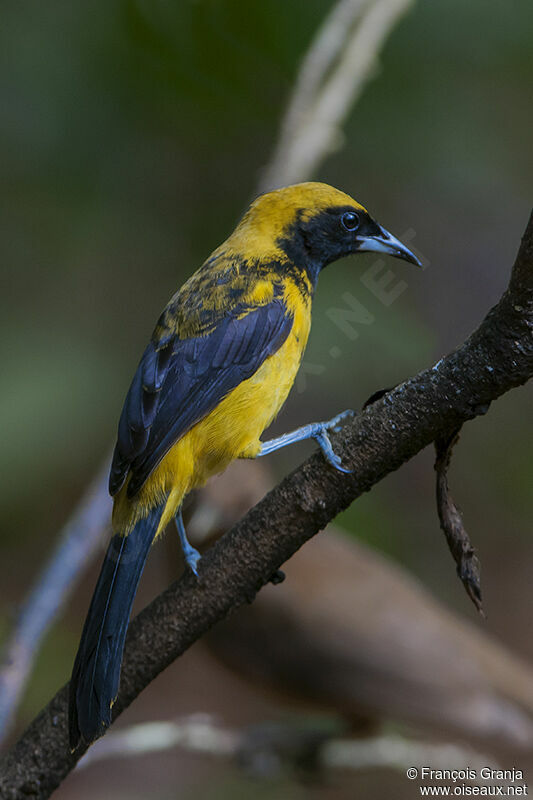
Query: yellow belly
[232,430]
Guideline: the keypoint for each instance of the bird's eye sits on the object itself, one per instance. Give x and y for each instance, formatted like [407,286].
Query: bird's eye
[350,220]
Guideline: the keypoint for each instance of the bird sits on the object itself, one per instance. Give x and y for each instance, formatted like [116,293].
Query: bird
[218,367]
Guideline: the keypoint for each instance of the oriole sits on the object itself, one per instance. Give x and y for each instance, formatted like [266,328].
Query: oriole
[219,366]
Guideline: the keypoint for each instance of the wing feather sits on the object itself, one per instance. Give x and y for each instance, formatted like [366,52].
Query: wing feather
[179,382]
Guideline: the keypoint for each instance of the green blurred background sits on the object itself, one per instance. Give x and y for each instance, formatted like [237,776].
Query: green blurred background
[133,134]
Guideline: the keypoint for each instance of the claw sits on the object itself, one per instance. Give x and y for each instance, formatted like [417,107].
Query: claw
[191,559]
[331,457]
[333,424]
[190,553]
[316,430]
[337,464]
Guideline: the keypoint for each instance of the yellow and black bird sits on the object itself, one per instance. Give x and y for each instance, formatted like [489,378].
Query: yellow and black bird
[218,368]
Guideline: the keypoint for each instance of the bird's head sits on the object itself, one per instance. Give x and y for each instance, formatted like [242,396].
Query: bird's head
[315,224]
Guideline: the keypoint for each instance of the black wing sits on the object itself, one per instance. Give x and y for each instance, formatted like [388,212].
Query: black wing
[179,381]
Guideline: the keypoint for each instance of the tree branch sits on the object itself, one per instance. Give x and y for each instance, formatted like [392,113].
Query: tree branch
[497,357]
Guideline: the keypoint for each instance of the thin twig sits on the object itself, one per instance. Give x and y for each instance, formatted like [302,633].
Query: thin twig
[393,752]
[196,733]
[451,522]
[282,745]
[78,542]
[351,39]
[324,50]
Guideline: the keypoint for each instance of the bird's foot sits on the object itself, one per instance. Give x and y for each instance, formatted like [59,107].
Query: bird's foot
[192,558]
[334,424]
[320,434]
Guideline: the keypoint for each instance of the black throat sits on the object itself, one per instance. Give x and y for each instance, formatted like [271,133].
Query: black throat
[294,245]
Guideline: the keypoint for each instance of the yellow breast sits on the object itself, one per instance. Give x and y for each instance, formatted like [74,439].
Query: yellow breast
[233,429]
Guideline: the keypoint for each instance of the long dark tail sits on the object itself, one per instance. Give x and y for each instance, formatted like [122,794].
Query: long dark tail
[96,672]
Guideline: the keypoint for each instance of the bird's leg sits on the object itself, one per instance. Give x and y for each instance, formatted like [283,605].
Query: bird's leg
[315,430]
[190,554]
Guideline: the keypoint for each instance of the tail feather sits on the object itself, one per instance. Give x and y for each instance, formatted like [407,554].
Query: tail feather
[96,673]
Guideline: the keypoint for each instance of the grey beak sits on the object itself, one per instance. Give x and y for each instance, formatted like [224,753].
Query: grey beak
[385,242]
